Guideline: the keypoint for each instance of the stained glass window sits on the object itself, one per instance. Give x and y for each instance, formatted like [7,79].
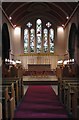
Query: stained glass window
[45,40]
[32,40]
[51,39]
[37,40]
[26,39]
[38,35]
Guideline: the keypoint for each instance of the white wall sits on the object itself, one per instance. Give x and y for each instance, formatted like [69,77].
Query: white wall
[60,41]
[17,40]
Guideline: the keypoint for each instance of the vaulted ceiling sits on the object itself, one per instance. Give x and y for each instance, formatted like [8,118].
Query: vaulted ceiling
[23,12]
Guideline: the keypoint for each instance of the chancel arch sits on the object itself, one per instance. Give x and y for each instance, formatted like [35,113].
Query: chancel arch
[72,39]
[78,36]
[77,47]
[5,42]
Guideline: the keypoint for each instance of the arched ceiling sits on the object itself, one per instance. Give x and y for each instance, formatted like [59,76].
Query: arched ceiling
[23,12]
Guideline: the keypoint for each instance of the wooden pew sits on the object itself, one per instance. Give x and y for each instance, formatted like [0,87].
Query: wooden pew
[75,102]
[11,108]
[70,91]
[69,70]
[0,106]
[65,88]
[20,85]
[72,95]
[11,90]
[5,98]
[15,88]
[60,86]
[7,104]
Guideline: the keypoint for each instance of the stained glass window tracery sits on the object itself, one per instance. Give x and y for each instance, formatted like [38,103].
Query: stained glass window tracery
[29,24]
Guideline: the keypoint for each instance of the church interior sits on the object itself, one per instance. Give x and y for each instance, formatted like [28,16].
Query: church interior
[40,60]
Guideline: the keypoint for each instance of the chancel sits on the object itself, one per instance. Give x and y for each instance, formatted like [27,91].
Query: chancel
[40,60]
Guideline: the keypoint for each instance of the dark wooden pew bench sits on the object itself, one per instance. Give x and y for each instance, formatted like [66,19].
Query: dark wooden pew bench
[0,104]
[15,82]
[20,85]
[7,103]
[65,88]
[61,87]
[70,96]
[11,90]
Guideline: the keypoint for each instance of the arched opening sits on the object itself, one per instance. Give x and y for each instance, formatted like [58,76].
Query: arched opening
[77,45]
[72,38]
[5,42]
[78,37]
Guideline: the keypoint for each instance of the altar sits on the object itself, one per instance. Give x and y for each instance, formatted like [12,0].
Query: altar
[39,67]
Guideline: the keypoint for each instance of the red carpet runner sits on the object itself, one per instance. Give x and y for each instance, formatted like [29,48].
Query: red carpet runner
[40,102]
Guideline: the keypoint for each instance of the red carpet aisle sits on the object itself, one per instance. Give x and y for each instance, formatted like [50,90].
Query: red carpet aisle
[40,102]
